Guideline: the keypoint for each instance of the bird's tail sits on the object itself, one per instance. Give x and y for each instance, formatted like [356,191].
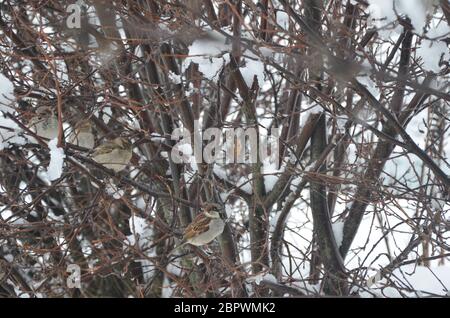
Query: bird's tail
[180,245]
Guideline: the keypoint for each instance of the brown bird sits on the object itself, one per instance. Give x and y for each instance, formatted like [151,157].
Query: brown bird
[44,123]
[205,227]
[114,154]
[82,135]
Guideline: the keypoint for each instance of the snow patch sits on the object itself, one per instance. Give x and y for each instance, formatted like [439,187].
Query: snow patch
[338,231]
[9,133]
[210,53]
[141,232]
[271,173]
[425,280]
[253,67]
[6,94]
[260,277]
[55,168]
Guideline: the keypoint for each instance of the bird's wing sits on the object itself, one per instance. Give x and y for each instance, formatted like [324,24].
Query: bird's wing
[199,225]
[102,149]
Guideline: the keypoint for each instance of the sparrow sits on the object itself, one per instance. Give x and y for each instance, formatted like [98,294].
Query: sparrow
[82,135]
[205,227]
[44,123]
[114,154]
[345,70]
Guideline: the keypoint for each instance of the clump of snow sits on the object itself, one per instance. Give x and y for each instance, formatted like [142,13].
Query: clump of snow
[228,209]
[271,173]
[341,121]
[245,185]
[417,127]
[416,10]
[157,138]
[9,133]
[9,216]
[260,277]
[210,53]
[141,232]
[384,13]
[140,202]
[176,79]
[295,183]
[266,52]
[283,19]
[432,48]
[253,66]
[55,168]
[6,94]
[370,85]
[86,246]
[426,281]
[107,114]
[437,84]
[169,287]
[431,53]
[274,221]
[338,231]
[9,258]
[309,109]
[112,190]
[182,152]
[374,279]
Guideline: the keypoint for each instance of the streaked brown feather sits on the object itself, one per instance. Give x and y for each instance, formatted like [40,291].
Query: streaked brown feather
[198,225]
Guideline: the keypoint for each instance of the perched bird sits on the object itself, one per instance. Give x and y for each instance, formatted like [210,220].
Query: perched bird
[82,135]
[345,70]
[205,227]
[44,123]
[114,154]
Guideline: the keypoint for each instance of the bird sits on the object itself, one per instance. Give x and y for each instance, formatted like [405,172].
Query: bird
[345,70]
[82,135]
[44,123]
[205,227]
[114,154]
